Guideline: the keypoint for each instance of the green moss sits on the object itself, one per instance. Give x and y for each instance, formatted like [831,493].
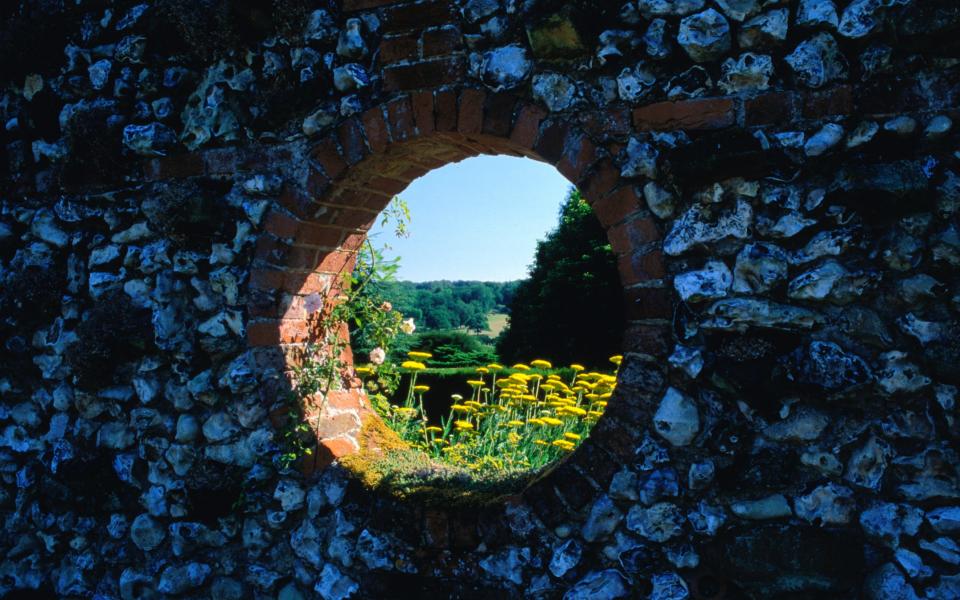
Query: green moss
[387,465]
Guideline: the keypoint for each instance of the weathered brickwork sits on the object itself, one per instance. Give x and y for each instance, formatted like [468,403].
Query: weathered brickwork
[185,184]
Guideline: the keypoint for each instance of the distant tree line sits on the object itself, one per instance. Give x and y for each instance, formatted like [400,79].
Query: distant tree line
[439,305]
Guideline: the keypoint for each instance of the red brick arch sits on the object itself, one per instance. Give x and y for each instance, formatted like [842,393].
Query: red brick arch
[357,168]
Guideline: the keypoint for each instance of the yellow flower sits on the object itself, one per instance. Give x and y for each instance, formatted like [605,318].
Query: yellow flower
[461,408]
[536,421]
[564,444]
[513,438]
[540,443]
[521,367]
[616,359]
[364,370]
[520,377]
[474,404]
[495,367]
[456,397]
[541,364]
[577,367]
[572,436]
[420,389]
[483,370]
[514,423]
[434,429]
[419,355]
[407,412]
[474,382]
[412,365]
[464,425]
[571,411]
[551,421]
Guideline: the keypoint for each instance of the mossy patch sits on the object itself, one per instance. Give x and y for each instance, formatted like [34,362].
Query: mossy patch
[388,465]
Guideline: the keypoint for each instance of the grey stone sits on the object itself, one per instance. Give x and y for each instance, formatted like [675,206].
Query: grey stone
[707,519]
[739,314]
[154,139]
[827,366]
[505,67]
[938,127]
[669,8]
[711,282]
[179,579]
[220,426]
[888,522]
[912,564]
[555,91]
[598,584]
[868,463]
[832,282]
[677,419]
[749,72]
[766,30]
[817,13]
[687,359]
[334,585]
[668,586]
[320,27]
[861,18]
[760,267]
[903,126]
[146,533]
[661,522]
[698,226]
[828,504]
[804,425]
[658,40]
[704,36]
[624,486]
[898,375]
[818,61]
[862,134]
[99,73]
[824,140]
[603,519]
[774,506]
[660,201]
[565,557]
[290,495]
[738,10]
[945,520]
[641,160]
[633,83]
[701,474]
[888,583]
[508,564]
[659,484]
[943,548]
[350,44]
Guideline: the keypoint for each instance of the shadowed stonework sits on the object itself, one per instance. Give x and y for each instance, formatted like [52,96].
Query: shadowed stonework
[184,183]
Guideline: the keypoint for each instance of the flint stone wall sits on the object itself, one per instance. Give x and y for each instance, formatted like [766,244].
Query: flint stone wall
[183,183]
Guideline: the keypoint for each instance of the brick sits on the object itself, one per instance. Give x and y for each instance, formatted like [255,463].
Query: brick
[350,134]
[701,113]
[391,187]
[444,40]
[601,181]
[578,155]
[375,129]
[446,111]
[649,303]
[306,283]
[400,119]
[318,235]
[417,16]
[633,235]
[825,103]
[351,218]
[498,114]
[640,266]
[266,279]
[527,127]
[281,224]
[654,340]
[768,109]
[616,206]
[422,103]
[301,258]
[470,115]
[396,48]
[424,75]
[327,154]
[271,251]
[221,161]
[263,333]
[181,165]
[610,122]
[550,143]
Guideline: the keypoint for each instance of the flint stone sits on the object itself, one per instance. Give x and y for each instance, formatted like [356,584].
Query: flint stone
[705,36]
[861,18]
[635,83]
[508,564]
[831,281]
[943,548]
[819,143]
[566,556]
[334,585]
[945,520]
[818,61]
[556,91]
[698,227]
[887,522]
[677,419]
[739,314]
[659,200]
[888,583]
[669,8]
[659,523]
[898,375]
[505,68]
[154,139]
[827,366]
[868,464]
[669,586]
[805,425]
[146,533]
[815,13]
[829,504]
[747,73]
[598,584]
[641,160]
[603,519]
[771,507]
[760,267]
[707,520]
[179,579]
[766,30]
[711,282]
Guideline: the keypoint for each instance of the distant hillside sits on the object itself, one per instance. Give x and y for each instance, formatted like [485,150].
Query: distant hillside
[440,305]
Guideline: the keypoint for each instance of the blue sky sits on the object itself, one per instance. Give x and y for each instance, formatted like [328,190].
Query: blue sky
[478,219]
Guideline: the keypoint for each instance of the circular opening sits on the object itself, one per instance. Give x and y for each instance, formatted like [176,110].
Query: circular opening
[375,415]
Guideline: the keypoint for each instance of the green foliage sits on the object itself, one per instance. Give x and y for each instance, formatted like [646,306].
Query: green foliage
[450,304]
[570,308]
[452,348]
